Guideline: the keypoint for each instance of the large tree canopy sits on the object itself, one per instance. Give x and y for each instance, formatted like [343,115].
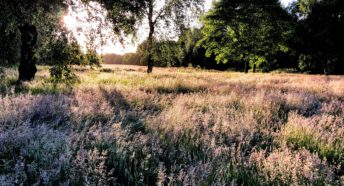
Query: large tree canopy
[320,36]
[30,22]
[29,18]
[245,31]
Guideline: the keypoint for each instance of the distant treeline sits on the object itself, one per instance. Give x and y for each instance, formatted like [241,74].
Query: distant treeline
[242,35]
[262,36]
[125,59]
[184,52]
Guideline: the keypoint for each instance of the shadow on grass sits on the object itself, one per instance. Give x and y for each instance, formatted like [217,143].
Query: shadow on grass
[179,89]
[49,110]
[107,70]
[112,70]
[123,112]
[128,170]
[11,86]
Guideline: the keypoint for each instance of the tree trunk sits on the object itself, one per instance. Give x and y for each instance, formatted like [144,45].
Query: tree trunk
[246,66]
[150,37]
[150,61]
[27,68]
[254,68]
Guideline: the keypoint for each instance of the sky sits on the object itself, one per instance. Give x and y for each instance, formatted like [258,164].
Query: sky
[286,2]
[110,44]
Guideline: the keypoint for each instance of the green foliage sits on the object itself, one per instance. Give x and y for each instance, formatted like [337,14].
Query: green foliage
[320,37]
[192,53]
[62,56]
[92,59]
[246,31]
[298,138]
[163,53]
[9,47]
[142,52]
[36,23]
[305,63]
[44,15]
[303,7]
[75,51]
[128,16]
[170,53]
[124,15]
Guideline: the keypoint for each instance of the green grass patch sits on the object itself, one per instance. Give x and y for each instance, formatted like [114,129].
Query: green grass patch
[298,137]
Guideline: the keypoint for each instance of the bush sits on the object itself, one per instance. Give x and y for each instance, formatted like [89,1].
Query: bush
[63,56]
[92,58]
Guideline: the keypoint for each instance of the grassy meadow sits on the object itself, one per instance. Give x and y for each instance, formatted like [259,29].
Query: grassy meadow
[178,126]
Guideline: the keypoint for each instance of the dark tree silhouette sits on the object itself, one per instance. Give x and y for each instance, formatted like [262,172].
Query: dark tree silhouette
[25,16]
[320,36]
[27,67]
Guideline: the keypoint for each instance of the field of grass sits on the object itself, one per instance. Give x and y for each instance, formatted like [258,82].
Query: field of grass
[177,126]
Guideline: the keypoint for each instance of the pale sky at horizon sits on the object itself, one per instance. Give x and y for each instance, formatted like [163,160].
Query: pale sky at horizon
[114,47]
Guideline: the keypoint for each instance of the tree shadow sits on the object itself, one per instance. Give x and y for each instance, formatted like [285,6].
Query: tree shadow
[49,110]
[177,89]
[124,113]
[180,89]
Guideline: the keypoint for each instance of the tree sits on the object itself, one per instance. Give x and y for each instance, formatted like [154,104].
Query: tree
[320,36]
[127,16]
[92,58]
[9,46]
[172,10]
[302,8]
[180,53]
[25,17]
[165,53]
[187,42]
[245,31]
[193,53]
[63,55]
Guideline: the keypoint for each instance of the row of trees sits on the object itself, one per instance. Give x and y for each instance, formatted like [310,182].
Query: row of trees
[183,52]
[261,35]
[241,34]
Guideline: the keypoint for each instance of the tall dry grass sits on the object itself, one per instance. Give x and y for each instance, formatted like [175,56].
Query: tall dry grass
[120,126]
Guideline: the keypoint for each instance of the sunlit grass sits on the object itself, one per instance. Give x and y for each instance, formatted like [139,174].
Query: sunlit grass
[321,135]
[177,126]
